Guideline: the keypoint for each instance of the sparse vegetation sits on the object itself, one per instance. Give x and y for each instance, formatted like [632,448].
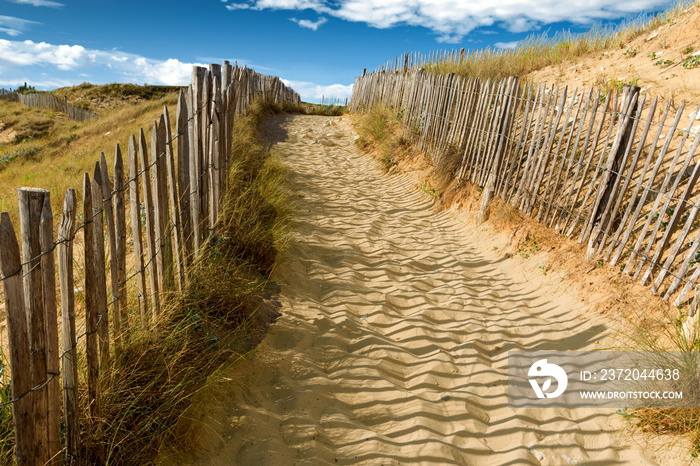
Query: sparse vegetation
[619,84]
[26,153]
[691,62]
[663,63]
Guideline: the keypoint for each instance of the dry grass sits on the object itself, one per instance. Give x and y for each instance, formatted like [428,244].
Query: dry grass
[539,51]
[223,312]
[221,315]
[53,152]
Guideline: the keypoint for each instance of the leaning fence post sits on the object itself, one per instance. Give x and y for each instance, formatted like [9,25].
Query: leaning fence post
[499,152]
[31,202]
[486,197]
[21,381]
[598,219]
[66,231]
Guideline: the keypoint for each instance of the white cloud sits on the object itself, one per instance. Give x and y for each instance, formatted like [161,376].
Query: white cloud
[311,92]
[10,31]
[506,45]
[289,4]
[171,72]
[451,20]
[237,6]
[16,56]
[14,26]
[47,3]
[305,23]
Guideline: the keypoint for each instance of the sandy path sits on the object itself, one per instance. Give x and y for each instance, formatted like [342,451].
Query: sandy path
[393,340]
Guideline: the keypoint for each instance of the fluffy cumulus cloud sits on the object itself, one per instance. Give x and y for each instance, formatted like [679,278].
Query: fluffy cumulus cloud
[311,92]
[451,20]
[18,58]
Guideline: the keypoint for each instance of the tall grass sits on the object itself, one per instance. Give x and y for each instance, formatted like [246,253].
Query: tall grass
[223,312]
[219,316]
[659,336]
[539,51]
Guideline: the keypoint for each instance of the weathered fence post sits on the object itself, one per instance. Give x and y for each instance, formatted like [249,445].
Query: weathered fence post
[183,173]
[99,288]
[31,203]
[25,428]
[107,207]
[66,232]
[173,202]
[506,118]
[48,275]
[136,235]
[120,233]
[148,196]
[91,303]
[599,216]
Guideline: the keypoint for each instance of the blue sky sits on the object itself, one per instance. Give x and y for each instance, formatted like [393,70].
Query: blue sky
[316,46]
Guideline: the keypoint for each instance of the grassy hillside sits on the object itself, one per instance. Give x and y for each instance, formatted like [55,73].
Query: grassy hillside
[45,149]
[98,98]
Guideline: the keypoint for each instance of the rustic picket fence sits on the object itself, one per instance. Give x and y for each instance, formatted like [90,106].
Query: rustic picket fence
[49,101]
[613,170]
[173,188]
[415,60]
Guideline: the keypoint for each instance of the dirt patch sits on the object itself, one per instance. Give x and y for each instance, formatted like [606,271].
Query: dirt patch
[7,134]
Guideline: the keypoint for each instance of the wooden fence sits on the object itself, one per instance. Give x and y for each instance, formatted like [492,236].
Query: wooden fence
[171,187]
[415,60]
[615,171]
[48,101]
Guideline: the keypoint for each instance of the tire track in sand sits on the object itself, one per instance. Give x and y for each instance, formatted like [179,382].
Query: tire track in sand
[393,340]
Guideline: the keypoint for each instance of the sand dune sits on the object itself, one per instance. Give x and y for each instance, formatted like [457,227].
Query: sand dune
[395,329]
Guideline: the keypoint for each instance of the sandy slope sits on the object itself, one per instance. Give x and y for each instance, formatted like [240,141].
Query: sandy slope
[639,62]
[393,340]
